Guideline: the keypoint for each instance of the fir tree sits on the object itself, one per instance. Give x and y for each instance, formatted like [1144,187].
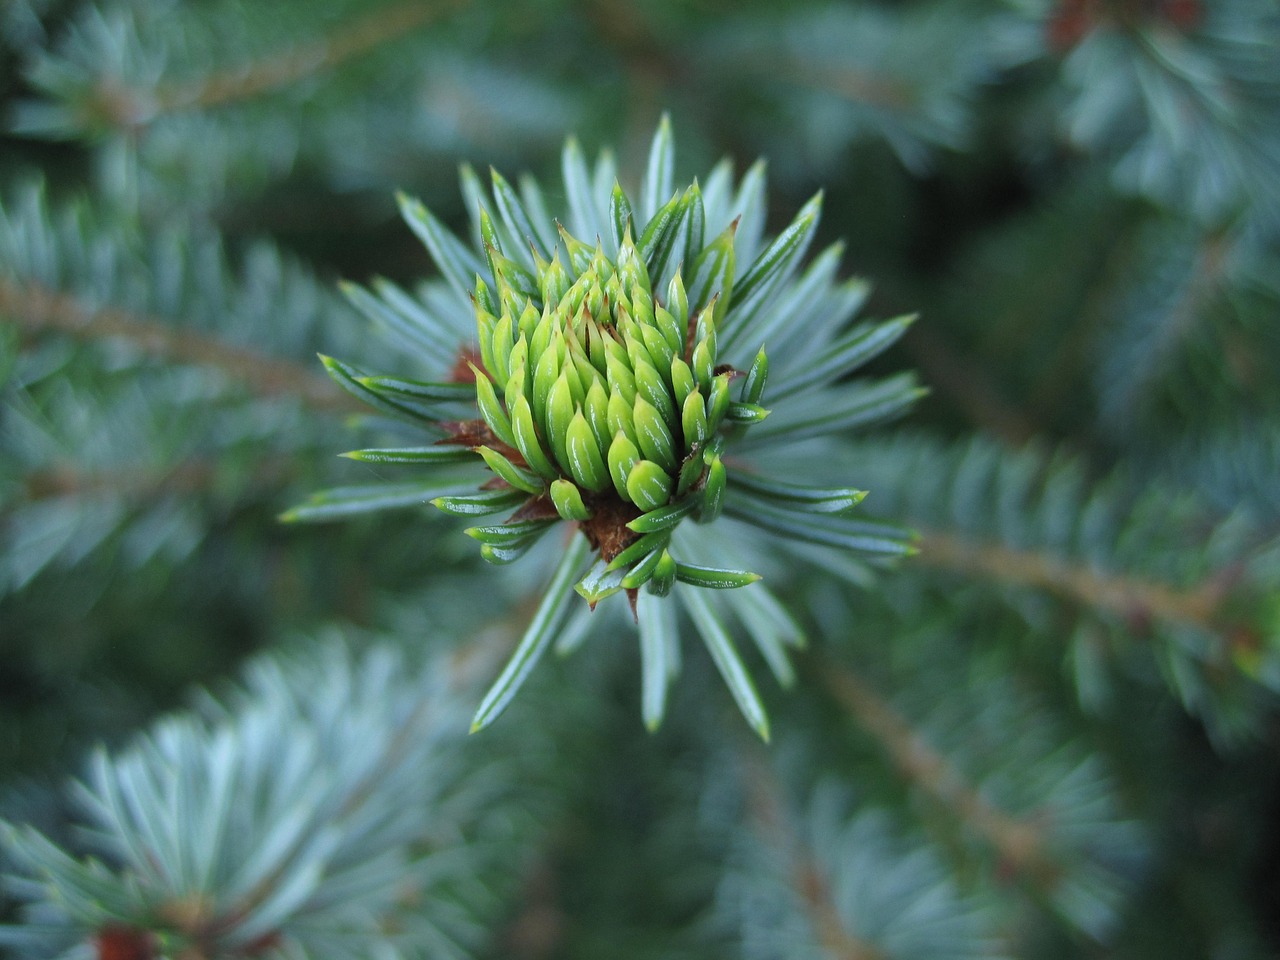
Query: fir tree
[1020,700]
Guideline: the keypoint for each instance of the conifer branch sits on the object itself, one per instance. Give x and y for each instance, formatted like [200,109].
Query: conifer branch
[36,310]
[1019,844]
[189,477]
[250,80]
[766,807]
[1072,357]
[969,386]
[65,481]
[1129,597]
[1206,278]
[850,83]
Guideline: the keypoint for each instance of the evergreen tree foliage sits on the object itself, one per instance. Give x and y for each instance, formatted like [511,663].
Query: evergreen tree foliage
[1047,728]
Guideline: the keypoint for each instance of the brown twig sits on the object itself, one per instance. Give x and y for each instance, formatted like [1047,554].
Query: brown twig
[968,385]
[136,108]
[187,478]
[131,482]
[1111,263]
[1019,845]
[1129,597]
[850,83]
[766,807]
[37,310]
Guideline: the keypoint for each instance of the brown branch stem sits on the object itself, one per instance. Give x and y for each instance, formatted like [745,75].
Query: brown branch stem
[764,798]
[37,310]
[1129,597]
[130,482]
[186,478]
[348,41]
[968,385]
[853,84]
[1019,844]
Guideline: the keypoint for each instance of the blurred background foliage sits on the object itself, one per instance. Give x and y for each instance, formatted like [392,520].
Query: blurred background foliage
[1052,733]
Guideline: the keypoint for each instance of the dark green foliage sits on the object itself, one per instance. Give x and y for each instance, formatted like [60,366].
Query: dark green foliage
[1017,638]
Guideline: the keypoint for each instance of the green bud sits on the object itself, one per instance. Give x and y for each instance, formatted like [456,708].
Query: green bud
[526,437]
[638,549]
[597,352]
[664,575]
[717,402]
[615,307]
[579,252]
[596,410]
[516,285]
[540,339]
[570,375]
[682,380]
[637,352]
[560,412]
[601,267]
[671,330]
[545,374]
[631,269]
[489,237]
[653,435]
[713,492]
[485,324]
[693,420]
[691,471]
[660,352]
[623,455]
[572,302]
[555,281]
[501,351]
[705,327]
[594,300]
[641,306]
[518,360]
[641,573]
[620,214]
[540,264]
[586,465]
[515,386]
[517,477]
[568,501]
[620,378]
[624,325]
[650,386]
[529,320]
[587,373]
[648,485]
[483,298]
[678,307]
[704,364]
[712,275]
[491,409]
[746,413]
[620,420]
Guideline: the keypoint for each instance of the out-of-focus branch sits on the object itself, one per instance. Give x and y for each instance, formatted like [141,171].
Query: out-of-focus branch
[37,310]
[1129,597]
[1020,846]
[135,108]
[764,798]
[970,388]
